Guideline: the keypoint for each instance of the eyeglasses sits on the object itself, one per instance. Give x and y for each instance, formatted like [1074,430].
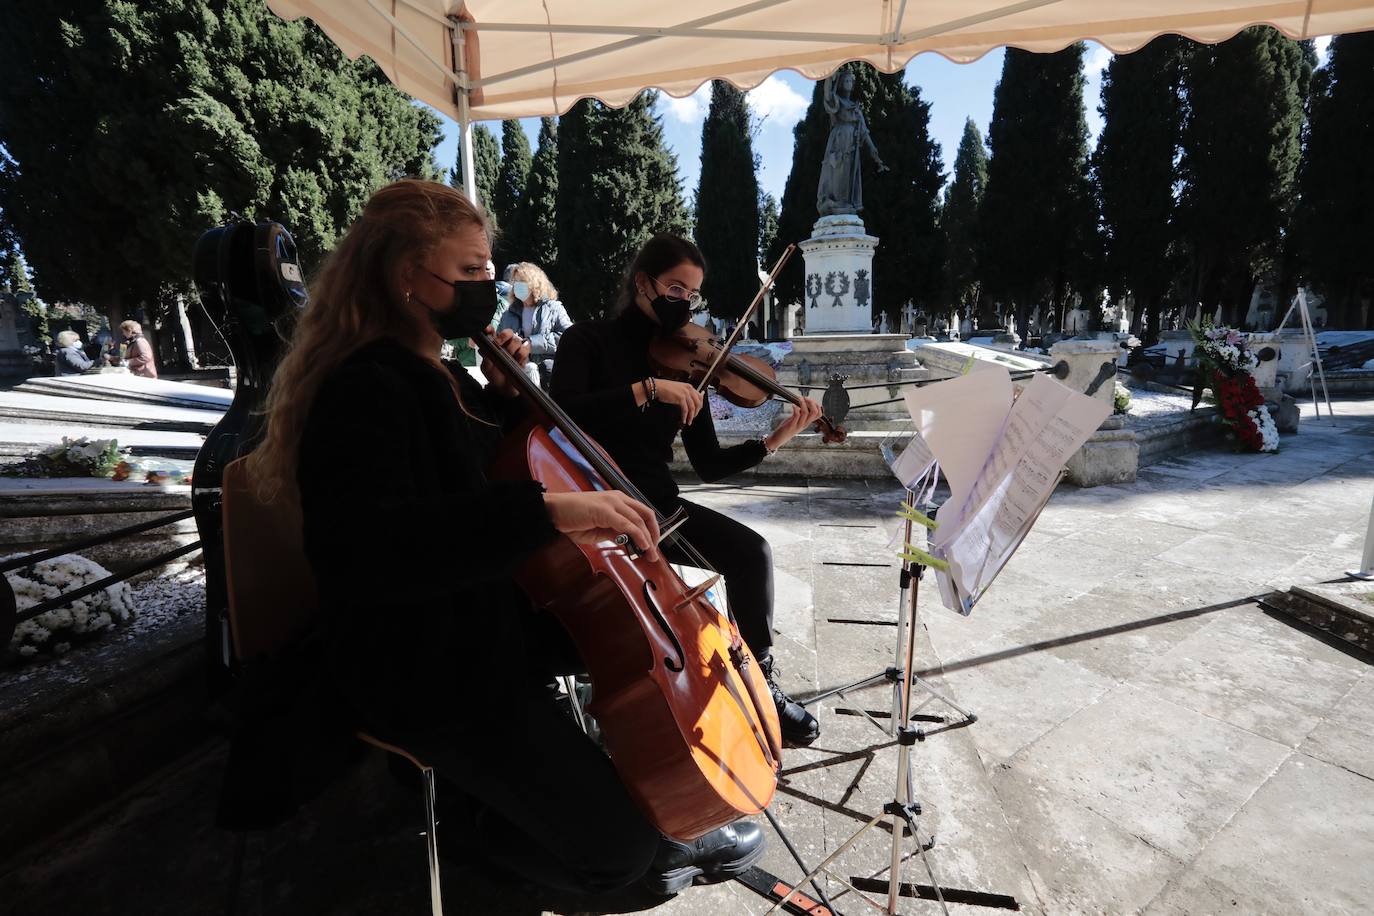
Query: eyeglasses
[680,293]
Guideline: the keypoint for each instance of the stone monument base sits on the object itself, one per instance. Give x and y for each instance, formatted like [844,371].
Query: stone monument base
[839,276]
[862,359]
[1111,455]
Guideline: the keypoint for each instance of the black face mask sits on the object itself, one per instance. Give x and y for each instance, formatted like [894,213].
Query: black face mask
[671,313]
[474,301]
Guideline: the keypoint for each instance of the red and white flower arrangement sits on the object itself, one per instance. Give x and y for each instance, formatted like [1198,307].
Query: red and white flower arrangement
[1225,364]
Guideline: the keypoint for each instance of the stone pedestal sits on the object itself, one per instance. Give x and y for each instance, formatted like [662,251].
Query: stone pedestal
[839,276]
[1294,362]
[1266,374]
[1092,366]
[1111,454]
[861,359]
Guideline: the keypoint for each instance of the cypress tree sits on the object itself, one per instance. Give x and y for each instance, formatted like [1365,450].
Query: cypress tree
[959,219]
[798,212]
[486,166]
[901,205]
[1241,147]
[727,229]
[768,225]
[617,187]
[1037,223]
[1336,215]
[144,124]
[512,243]
[539,205]
[16,279]
[1142,112]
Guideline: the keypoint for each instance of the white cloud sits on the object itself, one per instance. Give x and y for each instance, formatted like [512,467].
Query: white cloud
[778,102]
[1097,60]
[688,110]
[1322,43]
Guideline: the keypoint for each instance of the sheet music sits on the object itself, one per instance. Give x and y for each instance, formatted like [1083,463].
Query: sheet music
[1017,471]
[959,420]
[912,465]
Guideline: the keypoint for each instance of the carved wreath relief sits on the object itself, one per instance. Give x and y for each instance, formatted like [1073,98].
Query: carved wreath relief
[837,284]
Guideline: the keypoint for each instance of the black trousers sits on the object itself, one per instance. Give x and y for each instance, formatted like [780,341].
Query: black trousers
[743,557]
[541,799]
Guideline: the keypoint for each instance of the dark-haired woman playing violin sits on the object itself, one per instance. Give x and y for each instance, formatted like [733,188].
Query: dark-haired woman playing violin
[604,380]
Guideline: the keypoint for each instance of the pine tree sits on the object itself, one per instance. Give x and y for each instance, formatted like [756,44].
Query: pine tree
[901,205]
[144,124]
[1142,112]
[1336,215]
[1241,147]
[511,243]
[768,224]
[486,166]
[727,227]
[1037,225]
[617,187]
[539,205]
[959,219]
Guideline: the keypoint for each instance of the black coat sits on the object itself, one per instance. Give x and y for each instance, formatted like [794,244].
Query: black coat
[598,362]
[413,548]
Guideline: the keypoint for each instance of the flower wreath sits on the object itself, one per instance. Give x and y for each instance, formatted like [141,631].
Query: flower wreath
[1224,364]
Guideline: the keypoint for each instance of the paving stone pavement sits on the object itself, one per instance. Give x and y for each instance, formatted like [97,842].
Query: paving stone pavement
[1149,739]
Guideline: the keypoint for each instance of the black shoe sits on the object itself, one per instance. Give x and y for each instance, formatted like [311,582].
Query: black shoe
[718,856]
[799,727]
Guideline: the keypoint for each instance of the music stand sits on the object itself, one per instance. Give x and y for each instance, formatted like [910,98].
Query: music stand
[900,672]
[904,807]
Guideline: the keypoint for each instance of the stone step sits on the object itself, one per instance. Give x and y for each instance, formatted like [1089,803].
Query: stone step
[45,409]
[131,388]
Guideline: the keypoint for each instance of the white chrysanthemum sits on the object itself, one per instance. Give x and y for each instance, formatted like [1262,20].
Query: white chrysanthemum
[49,579]
[1269,431]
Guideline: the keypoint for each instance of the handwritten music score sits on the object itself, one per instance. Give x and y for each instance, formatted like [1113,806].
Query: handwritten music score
[1002,457]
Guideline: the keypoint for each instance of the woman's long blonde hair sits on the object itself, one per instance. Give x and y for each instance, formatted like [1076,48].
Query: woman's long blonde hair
[357,297]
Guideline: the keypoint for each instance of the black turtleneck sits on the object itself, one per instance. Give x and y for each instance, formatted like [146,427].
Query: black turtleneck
[597,363]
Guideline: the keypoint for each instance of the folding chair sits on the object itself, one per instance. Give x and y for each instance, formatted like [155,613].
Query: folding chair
[273,600]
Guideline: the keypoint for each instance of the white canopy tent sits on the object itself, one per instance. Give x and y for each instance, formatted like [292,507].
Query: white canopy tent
[490,59]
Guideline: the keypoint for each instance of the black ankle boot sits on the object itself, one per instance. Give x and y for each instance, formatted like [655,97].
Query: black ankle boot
[718,856]
[799,727]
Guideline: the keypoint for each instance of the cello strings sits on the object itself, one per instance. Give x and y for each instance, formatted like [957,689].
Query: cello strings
[584,446]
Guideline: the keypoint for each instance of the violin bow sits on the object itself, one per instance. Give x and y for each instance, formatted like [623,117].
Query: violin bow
[744,321]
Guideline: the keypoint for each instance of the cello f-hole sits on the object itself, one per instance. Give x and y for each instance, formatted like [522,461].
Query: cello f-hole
[668,662]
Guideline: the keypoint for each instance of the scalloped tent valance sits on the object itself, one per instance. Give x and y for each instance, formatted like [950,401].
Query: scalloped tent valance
[522,58]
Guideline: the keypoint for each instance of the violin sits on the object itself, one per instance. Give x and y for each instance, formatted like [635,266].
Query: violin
[682,705]
[692,354]
[689,354]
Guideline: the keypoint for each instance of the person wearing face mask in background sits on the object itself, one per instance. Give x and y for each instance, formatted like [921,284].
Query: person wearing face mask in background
[604,380]
[536,315]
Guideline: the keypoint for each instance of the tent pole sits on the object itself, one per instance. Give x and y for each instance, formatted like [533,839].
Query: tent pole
[460,89]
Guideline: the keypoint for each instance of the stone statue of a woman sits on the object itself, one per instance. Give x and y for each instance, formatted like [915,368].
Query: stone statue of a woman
[841,187]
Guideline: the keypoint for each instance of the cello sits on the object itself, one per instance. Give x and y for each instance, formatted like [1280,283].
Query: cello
[682,705]
[692,354]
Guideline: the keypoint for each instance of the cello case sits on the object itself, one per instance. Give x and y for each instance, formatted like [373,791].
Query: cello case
[252,288]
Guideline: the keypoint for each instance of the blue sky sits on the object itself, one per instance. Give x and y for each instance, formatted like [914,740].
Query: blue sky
[954,91]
